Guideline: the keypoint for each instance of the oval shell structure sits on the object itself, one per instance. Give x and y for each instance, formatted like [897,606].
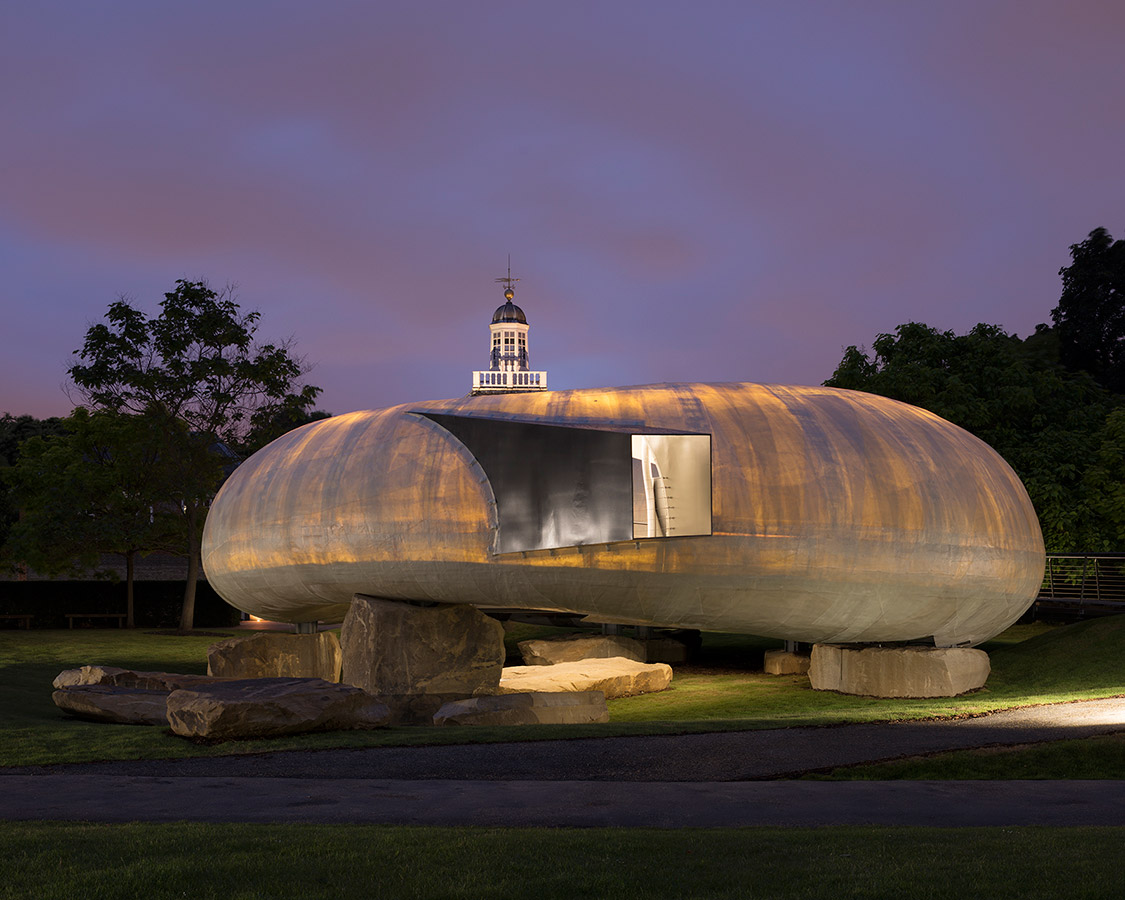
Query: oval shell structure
[803,513]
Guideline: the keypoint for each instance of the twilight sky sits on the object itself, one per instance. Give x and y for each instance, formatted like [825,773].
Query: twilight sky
[703,191]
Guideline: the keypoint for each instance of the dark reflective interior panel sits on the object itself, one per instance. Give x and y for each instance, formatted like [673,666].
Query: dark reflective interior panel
[554,486]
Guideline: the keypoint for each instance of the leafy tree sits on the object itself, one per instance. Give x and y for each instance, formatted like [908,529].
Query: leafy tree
[197,370]
[1090,317]
[102,486]
[14,430]
[1106,479]
[1044,421]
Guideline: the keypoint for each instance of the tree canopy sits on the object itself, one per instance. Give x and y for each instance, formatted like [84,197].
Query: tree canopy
[1090,317]
[104,485]
[14,432]
[196,373]
[197,361]
[1052,405]
[1045,421]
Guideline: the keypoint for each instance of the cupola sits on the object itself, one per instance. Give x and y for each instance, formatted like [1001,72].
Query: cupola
[509,363]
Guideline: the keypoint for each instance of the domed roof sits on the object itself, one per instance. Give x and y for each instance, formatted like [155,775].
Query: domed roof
[509,312]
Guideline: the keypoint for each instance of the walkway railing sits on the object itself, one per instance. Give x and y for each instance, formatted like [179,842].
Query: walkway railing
[1082,584]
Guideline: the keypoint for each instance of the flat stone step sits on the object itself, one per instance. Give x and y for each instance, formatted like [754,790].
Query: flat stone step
[614,677]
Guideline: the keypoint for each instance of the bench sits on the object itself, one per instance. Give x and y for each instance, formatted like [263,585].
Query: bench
[70,617]
[23,618]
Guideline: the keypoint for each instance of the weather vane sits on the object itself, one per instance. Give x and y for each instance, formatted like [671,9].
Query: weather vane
[508,281]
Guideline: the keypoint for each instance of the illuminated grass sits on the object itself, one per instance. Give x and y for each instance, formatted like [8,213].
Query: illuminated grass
[55,861]
[1031,664]
[724,690]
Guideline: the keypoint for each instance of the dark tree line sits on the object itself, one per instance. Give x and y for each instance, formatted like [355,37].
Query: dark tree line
[1053,404]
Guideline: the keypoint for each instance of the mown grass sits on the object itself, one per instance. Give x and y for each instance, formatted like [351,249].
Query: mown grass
[56,861]
[1031,664]
[724,690]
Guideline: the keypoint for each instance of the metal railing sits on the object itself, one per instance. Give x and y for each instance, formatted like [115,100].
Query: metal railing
[1083,584]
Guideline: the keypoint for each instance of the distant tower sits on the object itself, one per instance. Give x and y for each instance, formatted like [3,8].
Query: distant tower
[508,361]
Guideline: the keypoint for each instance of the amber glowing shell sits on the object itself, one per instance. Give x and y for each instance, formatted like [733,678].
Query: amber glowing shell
[835,516]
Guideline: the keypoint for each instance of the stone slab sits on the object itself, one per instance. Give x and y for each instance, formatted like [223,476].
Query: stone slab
[271,707]
[615,677]
[128,678]
[115,705]
[270,654]
[579,708]
[782,662]
[897,671]
[393,647]
[573,647]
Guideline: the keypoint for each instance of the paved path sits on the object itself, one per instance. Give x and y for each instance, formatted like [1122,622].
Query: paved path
[120,798]
[662,781]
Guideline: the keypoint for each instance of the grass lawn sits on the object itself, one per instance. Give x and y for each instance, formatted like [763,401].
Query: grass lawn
[724,690]
[57,861]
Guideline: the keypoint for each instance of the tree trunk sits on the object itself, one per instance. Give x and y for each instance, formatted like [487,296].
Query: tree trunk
[187,612]
[129,571]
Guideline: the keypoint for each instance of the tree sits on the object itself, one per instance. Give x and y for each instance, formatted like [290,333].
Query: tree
[14,431]
[1090,317]
[1045,421]
[197,371]
[102,486]
[1107,475]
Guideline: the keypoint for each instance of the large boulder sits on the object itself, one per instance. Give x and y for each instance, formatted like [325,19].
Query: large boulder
[112,676]
[573,647]
[897,671]
[116,705]
[271,707]
[272,654]
[578,708]
[392,647]
[616,677]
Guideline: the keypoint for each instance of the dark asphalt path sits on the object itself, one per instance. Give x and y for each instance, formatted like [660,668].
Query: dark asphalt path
[665,781]
[119,798]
